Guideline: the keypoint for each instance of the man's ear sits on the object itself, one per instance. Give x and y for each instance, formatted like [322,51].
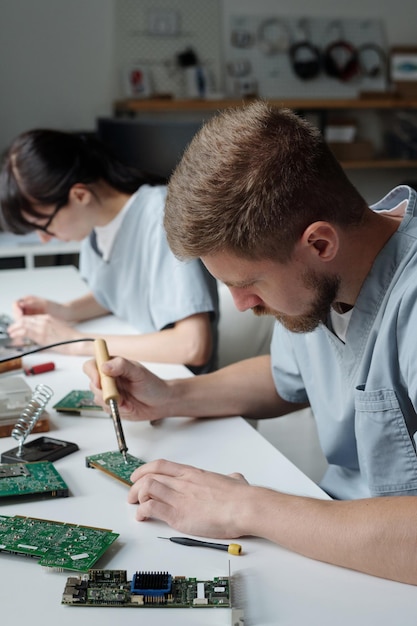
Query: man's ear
[80,194]
[322,239]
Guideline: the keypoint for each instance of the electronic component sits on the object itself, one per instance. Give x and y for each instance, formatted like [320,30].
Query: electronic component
[31,480]
[115,465]
[111,588]
[155,584]
[80,402]
[41,449]
[55,544]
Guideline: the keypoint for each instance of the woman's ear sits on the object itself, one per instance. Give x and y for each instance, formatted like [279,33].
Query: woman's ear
[80,194]
[322,239]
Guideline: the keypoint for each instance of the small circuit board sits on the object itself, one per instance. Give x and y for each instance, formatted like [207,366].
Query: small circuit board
[111,588]
[56,544]
[32,480]
[114,464]
[80,402]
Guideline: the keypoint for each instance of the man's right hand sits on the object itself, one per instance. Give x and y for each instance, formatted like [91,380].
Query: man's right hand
[143,396]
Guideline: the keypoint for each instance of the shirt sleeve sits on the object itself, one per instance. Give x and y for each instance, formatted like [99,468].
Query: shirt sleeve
[285,370]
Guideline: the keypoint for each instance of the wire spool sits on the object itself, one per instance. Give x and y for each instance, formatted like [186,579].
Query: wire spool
[30,414]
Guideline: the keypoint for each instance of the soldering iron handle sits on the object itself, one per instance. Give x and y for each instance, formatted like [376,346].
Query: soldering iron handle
[108,384]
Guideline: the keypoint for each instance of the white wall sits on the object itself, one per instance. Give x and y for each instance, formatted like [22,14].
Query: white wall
[56,64]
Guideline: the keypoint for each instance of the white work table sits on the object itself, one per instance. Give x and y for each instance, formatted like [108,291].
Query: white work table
[275,586]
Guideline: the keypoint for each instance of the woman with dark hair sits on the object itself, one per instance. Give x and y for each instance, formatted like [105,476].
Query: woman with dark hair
[71,187]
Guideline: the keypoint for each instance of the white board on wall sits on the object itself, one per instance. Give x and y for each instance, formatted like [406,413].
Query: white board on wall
[257,60]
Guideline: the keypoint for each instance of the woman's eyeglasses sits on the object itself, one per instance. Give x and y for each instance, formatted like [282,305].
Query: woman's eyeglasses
[45,227]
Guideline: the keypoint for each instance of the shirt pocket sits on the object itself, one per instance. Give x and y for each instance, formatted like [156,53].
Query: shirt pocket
[386,453]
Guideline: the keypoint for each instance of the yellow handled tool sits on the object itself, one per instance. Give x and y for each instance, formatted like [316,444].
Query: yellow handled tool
[231,548]
[110,393]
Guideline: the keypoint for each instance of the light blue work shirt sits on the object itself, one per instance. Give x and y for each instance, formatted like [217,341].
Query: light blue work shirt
[363,393]
[142,282]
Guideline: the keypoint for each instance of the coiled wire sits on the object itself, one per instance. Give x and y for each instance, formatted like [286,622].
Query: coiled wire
[30,414]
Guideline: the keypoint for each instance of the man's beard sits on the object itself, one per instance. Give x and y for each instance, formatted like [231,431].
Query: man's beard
[326,288]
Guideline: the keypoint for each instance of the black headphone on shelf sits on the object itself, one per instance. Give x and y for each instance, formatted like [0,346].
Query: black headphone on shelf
[305,59]
[332,64]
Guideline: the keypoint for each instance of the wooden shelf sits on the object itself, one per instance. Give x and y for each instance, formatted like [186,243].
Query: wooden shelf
[133,107]
[167,105]
[379,164]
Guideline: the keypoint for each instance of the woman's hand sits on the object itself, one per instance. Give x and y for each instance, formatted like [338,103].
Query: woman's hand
[42,330]
[32,305]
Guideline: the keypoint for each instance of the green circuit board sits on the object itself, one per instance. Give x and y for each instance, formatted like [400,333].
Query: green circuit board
[31,480]
[111,588]
[79,402]
[113,463]
[55,544]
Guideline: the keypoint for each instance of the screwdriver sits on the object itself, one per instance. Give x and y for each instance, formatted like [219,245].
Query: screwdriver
[110,394]
[232,548]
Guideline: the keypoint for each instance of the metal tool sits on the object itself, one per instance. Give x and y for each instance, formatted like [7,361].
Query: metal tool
[30,415]
[110,394]
[231,548]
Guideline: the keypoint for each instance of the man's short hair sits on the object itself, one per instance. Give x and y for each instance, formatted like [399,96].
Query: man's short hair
[251,181]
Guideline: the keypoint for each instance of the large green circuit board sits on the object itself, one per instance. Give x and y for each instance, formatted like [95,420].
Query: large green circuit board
[114,464]
[31,480]
[55,544]
[111,588]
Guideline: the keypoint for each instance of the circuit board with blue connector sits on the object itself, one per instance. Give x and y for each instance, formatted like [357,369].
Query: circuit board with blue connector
[111,588]
[56,544]
[31,480]
[114,464]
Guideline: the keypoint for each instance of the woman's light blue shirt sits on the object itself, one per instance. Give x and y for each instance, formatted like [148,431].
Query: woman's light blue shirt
[142,282]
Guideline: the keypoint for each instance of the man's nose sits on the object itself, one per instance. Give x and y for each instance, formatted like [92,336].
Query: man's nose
[244,299]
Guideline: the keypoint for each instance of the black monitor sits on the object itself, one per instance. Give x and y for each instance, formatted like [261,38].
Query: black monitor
[153,143]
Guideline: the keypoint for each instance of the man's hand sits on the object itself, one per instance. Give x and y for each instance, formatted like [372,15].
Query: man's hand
[143,395]
[190,500]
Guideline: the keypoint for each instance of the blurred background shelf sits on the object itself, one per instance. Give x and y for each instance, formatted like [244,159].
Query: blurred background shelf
[27,251]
